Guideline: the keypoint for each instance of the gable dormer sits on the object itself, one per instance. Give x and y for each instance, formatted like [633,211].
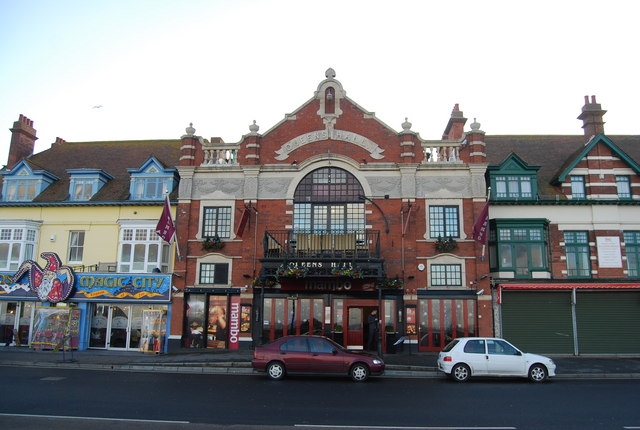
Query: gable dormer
[84,183]
[152,180]
[599,171]
[23,183]
[513,179]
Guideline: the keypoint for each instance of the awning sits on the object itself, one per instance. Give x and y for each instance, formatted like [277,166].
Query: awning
[572,286]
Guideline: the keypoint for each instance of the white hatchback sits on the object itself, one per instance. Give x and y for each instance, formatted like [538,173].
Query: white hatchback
[489,356]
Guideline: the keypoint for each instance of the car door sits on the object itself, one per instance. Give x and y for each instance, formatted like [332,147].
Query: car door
[325,358]
[475,355]
[504,359]
[295,355]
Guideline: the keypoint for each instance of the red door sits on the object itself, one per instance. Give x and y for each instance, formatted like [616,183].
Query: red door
[355,335]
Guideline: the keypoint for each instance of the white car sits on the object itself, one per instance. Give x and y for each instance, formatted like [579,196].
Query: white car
[465,357]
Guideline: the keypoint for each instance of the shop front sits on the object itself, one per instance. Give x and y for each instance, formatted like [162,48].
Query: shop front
[353,312]
[99,310]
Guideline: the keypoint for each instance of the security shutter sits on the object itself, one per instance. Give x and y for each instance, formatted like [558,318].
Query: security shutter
[608,322]
[538,322]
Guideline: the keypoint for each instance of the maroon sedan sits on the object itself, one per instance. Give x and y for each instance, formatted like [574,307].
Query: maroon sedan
[314,354]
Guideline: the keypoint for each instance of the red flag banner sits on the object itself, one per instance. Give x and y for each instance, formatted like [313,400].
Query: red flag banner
[243,222]
[165,227]
[481,227]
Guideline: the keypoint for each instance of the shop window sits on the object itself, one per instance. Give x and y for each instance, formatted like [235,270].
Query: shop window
[632,250]
[623,184]
[216,221]
[142,250]
[16,245]
[577,252]
[518,247]
[214,273]
[443,222]
[76,246]
[446,275]
[441,320]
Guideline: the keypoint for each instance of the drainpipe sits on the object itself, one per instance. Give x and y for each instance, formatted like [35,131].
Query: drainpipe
[574,321]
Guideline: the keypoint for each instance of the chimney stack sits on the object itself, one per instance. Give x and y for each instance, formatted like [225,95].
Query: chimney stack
[23,141]
[591,117]
[455,126]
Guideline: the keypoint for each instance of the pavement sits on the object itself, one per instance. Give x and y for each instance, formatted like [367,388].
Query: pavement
[405,364]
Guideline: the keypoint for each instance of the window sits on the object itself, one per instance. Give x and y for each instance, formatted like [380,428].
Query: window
[150,188]
[513,187]
[577,187]
[216,221]
[16,245]
[446,275]
[142,250]
[329,200]
[82,189]
[632,249]
[84,183]
[474,347]
[76,246]
[623,183]
[577,251]
[520,248]
[214,273]
[443,221]
[295,345]
[500,347]
[21,190]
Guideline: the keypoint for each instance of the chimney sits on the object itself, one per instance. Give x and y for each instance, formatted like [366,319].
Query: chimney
[455,126]
[23,141]
[591,117]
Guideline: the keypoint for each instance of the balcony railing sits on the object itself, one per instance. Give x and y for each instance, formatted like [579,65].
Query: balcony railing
[321,245]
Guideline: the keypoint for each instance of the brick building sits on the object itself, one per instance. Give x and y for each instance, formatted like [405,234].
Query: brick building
[565,239]
[329,215]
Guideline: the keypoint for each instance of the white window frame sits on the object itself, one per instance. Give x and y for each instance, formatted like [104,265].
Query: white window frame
[215,259]
[138,239]
[447,260]
[445,202]
[73,245]
[20,240]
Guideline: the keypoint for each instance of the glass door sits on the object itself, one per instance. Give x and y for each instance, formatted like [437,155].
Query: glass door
[24,323]
[119,326]
[8,312]
[355,339]
[99,323]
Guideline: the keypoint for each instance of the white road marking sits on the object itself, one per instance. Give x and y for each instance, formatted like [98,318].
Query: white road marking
[93,418]
[402,428]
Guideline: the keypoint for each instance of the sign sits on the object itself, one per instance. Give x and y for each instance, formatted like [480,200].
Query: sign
[329,134]
[327,284]
[234,323]
[609,253]
[99,287]
[53,283]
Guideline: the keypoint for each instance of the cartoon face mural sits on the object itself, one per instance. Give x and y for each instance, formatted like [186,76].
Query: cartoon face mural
[53,283]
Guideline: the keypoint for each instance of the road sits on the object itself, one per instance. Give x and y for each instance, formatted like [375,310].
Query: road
[128,400]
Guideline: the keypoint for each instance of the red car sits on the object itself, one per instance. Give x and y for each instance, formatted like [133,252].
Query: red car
[314,355]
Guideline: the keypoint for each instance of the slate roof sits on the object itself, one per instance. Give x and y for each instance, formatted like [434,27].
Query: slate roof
[552,153]
[112,157]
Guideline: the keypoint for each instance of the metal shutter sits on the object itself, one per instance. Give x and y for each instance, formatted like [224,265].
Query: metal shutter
[538,322]
[608,322]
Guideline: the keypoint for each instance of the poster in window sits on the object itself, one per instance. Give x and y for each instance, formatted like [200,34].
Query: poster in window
[153,331]
[217,323]
[245,319]
[56,328]
[411,320]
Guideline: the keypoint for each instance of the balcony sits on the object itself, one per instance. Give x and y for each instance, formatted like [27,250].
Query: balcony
[322,252]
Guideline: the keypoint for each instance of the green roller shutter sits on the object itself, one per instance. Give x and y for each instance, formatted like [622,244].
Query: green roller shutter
[608,322]
[538,322]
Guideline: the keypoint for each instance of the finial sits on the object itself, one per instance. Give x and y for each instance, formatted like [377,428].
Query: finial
[406,125]
[475,126]
[190,130]
[253,128]
[330,73]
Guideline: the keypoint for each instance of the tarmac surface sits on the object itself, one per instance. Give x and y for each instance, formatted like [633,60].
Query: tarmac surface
[403,364]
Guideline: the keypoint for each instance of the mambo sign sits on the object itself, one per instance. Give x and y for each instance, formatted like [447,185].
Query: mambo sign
[327,284]
[100,287]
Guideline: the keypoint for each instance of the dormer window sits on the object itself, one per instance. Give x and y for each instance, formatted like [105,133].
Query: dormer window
[22,184]
[84,183]
[513,180]
[152,181]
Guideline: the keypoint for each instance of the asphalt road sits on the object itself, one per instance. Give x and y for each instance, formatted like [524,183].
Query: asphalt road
[104,399]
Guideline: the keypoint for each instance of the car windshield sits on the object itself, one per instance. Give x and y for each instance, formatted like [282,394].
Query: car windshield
[450,345]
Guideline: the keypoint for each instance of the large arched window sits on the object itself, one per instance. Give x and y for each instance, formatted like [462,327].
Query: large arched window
[328,200]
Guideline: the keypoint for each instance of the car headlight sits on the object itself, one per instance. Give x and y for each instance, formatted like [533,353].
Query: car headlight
[377,361]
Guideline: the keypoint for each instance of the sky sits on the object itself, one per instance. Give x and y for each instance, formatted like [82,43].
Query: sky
[136,69]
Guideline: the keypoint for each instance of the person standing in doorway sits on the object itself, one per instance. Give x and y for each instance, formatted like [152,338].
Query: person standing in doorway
[373,330]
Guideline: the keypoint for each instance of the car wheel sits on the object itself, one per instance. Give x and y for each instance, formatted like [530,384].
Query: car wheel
[275,370]
[359,372]
[538,373]
[460,372]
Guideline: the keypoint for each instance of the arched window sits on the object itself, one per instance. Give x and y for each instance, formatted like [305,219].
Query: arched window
[329,200]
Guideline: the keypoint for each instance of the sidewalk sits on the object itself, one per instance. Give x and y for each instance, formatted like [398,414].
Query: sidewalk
[239,362]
